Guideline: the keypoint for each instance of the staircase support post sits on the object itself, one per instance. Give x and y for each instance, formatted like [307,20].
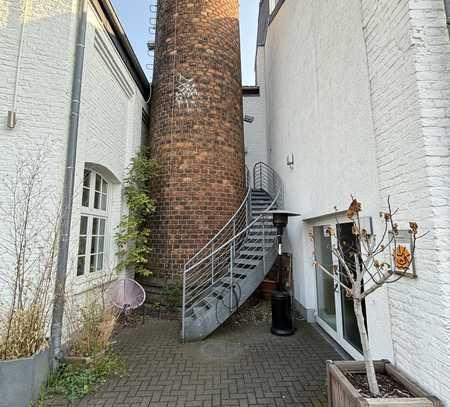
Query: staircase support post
[260,177]
[264,243]
[212,264]
[246,214]
[183,316]
[231,275]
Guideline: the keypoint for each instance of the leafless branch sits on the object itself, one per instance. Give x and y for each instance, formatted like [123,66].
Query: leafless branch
[362,259]
[29,252]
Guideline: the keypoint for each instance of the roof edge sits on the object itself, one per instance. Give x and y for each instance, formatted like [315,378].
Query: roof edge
[114,28]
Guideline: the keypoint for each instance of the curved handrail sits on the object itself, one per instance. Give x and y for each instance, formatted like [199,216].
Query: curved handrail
[215,260]
[217,235]
[266,178]
[242,232]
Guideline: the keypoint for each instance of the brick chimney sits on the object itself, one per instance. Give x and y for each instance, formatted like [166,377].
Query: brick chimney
[196,127]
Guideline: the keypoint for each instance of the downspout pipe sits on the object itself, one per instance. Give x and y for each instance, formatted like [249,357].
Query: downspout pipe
[12,113]
[69,183]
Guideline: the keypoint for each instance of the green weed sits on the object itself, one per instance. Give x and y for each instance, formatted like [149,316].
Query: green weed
[75,382]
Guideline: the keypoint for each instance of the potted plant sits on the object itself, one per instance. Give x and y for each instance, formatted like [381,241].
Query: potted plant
[30,251]
[362,269]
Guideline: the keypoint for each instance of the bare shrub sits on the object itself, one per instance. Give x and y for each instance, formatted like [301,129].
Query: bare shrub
[374,262]
[91,323]
[29,247]
[97,326]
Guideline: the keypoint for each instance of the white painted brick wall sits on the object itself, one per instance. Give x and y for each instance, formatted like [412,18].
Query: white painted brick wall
[110,117]
[43,95]
[408,55]
[319,109]
[110,132]
[255,133]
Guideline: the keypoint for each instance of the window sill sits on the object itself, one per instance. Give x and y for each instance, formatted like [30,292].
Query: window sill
[94,281]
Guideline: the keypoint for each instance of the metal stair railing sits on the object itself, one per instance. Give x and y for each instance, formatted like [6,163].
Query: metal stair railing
[214,263]
[266,179]
[239,220]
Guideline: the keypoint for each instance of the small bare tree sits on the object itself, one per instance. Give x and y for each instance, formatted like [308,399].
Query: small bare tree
[365,268]
[28,247]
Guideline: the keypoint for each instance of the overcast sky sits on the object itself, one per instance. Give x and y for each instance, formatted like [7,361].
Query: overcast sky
[134,15]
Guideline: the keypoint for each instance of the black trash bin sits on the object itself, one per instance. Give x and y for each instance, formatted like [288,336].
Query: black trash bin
[281,314]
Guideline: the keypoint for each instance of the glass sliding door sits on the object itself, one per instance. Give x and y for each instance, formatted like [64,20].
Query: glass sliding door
[326,303]
[334,309]
[349,243]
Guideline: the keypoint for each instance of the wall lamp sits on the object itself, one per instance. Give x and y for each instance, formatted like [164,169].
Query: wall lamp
[249,119]
[290,161]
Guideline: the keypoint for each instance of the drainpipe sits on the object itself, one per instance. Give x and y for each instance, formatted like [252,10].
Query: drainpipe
[69,182]
[12,113]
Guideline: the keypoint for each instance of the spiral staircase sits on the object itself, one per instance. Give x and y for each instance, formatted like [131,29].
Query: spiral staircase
[219,278]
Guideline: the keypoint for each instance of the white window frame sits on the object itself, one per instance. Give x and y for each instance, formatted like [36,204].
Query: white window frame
[338,334]
[100,217]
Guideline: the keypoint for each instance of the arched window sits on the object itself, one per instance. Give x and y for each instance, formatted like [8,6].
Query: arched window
[93,222]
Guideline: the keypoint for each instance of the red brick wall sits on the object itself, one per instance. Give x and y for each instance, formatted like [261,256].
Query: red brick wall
[197,135]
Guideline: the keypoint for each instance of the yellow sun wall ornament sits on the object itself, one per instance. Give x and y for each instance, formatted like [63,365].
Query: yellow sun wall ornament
[402,257]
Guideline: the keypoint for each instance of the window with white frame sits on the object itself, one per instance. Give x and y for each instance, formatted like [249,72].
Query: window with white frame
[93,223]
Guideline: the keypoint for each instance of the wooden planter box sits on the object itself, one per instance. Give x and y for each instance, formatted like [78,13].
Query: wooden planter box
[341,392]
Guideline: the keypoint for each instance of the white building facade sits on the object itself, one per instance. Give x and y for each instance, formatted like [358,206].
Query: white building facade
[357,95]
[36,67]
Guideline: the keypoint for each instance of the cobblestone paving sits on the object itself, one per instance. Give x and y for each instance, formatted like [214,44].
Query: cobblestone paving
[237,366]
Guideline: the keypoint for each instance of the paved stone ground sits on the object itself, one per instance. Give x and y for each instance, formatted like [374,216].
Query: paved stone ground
[237,366]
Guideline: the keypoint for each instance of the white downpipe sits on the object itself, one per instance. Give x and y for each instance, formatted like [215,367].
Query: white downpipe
[69,182]
[12,112]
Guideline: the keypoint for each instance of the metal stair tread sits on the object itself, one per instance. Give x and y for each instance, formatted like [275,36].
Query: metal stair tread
[256,244]
[255,253]
[248,262]
[259,226]
[254,232]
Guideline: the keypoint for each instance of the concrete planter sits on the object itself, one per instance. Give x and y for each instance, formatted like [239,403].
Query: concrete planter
[341,392]
[21,379]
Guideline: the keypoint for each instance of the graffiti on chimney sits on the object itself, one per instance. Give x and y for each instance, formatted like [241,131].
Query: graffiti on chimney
[186,90]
